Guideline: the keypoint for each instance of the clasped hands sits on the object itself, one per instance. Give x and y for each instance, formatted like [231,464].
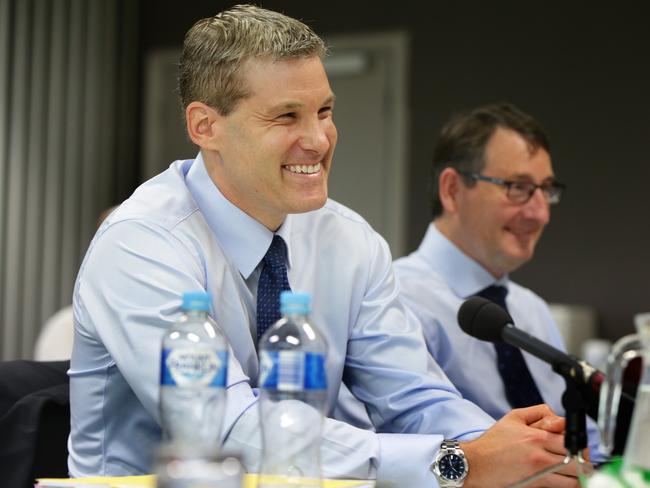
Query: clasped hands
[520,444]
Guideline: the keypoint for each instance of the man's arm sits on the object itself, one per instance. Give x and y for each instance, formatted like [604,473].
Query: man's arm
[390,370]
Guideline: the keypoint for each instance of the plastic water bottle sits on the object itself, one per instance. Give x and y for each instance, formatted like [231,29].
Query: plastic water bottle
[190,466]
[293,391]
[193,376]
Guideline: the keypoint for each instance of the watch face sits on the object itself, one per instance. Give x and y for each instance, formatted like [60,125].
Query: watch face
[452,467]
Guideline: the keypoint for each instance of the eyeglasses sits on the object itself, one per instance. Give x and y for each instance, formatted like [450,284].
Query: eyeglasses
[522,191]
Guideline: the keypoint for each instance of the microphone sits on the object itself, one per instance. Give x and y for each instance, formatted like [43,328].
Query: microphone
[487,321]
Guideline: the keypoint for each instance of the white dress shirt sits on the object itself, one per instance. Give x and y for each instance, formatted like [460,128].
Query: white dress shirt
[178,233]
[434,281]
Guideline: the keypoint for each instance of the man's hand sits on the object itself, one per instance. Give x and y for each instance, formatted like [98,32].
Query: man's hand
[548,421]
[552,423]
[523,442]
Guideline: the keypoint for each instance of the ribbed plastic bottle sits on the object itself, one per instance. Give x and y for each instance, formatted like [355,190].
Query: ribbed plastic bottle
[293,391]
[193,374]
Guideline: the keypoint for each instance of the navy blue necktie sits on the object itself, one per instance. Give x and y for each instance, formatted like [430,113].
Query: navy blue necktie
[521,390]
[273,280]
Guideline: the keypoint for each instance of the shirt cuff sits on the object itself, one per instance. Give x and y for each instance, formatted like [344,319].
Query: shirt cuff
[405,460]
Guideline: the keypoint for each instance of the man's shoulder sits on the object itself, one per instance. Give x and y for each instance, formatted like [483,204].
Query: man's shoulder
[339,235]
[160,210]
[423,288]
[334,217]
[410,264]
[415,272]
[339,211]
[164,201]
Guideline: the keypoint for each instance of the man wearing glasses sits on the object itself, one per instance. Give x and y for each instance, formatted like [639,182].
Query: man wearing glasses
[493,187]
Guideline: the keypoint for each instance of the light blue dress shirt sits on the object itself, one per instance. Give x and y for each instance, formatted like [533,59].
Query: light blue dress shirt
[176,233]
[434,281]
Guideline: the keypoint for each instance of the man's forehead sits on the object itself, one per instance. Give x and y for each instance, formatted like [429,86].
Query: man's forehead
[294,77]
[507,149]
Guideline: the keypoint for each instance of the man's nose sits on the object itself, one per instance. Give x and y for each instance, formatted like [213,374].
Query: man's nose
[538,207]
[315,136]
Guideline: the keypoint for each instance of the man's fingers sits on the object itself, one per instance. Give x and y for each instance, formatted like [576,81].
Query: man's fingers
[532,414]
[554,443]
[551,423]
[569,470]
[557,480]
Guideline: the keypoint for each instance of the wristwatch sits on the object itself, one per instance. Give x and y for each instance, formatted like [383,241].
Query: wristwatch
[450,466]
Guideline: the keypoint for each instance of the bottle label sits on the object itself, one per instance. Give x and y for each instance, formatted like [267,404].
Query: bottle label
[186,367]
[292,370]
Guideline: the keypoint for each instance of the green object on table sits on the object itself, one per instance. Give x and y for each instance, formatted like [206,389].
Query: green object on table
[612,475]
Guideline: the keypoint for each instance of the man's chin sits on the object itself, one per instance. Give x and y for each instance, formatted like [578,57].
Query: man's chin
[518,253]
[308,205]
[518,257]
[524,244]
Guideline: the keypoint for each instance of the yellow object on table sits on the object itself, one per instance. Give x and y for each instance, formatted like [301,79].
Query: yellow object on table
[251,481]
[149,481]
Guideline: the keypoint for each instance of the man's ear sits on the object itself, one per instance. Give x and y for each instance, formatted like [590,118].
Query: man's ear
[202,124]
[449,187]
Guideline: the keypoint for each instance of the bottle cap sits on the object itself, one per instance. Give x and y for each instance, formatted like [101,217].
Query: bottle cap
[292,302]
[196,300]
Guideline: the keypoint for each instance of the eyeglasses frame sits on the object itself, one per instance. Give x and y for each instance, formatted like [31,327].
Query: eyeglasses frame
[552,198]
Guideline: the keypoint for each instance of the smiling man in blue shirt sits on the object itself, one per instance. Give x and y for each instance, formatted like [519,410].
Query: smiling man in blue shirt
[258,104]
[493,188]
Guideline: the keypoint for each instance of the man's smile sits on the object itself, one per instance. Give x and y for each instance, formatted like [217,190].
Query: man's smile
[303,168]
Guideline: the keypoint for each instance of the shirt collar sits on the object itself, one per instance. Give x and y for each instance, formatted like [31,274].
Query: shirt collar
[244,239]
[464,275]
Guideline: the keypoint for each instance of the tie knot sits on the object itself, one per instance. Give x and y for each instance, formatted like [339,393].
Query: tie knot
[496,294]
[276,255]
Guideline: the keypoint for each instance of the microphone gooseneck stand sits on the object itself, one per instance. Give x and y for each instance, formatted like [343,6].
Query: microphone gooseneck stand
[575,401]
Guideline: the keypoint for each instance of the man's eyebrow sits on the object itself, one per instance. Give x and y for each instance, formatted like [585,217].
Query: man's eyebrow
[528,176]
[290,106]
[284,107]
[330,100]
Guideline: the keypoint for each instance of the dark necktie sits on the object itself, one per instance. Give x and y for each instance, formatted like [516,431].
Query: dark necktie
[521,390]
[273,280]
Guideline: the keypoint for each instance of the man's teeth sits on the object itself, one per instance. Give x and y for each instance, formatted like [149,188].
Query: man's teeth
[303,168]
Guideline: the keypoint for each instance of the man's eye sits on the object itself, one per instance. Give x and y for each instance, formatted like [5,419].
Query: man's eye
[549,187]
[522,186]
[288,115]
[325,111]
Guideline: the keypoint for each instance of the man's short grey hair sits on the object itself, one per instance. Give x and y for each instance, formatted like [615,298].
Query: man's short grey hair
[215,50]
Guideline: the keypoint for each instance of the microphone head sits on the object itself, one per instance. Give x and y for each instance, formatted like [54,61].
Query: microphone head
[483,319]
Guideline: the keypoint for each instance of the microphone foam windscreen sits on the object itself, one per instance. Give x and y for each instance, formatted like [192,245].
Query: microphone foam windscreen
[483,319]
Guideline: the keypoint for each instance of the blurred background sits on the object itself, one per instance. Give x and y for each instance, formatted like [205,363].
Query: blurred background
[88,110]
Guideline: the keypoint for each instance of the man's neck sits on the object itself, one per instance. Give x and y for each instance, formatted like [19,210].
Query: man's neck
[211,161]
[446,227]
